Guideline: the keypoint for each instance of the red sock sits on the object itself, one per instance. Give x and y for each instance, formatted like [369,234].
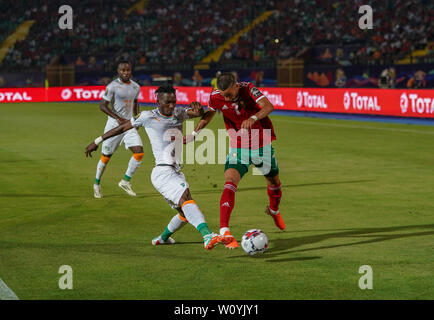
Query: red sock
[274,194]
[227,202]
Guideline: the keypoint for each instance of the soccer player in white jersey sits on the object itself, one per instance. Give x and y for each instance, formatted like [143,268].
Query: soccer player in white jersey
[164,128]
[122,93]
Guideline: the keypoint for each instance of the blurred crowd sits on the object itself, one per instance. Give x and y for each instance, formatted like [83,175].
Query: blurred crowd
[186,31]
[399,26]
[98,30]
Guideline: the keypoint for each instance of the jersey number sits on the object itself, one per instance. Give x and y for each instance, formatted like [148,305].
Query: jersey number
[236,108]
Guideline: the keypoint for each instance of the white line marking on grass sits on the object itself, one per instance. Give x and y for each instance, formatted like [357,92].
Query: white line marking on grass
[6,293]
[354,126]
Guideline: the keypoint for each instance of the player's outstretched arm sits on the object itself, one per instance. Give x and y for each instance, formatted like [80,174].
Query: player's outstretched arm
[196,110]
[111,133]
[206,118]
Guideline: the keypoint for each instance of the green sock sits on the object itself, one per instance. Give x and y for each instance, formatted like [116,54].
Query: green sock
[127,178]
[203,229]
[166,234]
[97,181]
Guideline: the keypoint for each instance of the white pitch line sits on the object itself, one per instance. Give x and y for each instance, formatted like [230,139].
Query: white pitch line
[354,126]
[6,293]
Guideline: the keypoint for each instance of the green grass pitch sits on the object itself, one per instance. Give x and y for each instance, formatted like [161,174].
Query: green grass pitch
[354,193]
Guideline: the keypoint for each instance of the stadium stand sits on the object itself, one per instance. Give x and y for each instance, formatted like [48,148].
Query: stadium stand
[176,35]
[399,27]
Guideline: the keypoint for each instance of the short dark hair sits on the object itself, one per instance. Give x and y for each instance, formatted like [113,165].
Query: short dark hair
[165,88]
[124,61]
[225,80]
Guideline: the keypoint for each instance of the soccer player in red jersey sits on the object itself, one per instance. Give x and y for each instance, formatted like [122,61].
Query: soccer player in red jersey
[245,112]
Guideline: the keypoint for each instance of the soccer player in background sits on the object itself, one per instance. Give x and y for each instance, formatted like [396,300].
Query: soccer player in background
[122,93]
[214,80]
[164,128]
[245,112]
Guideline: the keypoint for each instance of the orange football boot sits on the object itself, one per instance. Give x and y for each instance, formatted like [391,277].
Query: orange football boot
[278,221]
[211,240]
[229,240]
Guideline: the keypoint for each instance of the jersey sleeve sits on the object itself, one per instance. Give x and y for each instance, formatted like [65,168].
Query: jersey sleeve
[109,92]
[141,119]
[211,104]
[181,113]
[138,92]
[254,93]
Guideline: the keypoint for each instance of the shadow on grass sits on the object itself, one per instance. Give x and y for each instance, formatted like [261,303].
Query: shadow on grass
[267,256]
[264,187]
[290,245]
[156,194]
[278,253]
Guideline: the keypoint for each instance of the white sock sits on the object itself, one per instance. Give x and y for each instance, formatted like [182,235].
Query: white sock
[193,214]
[175,224]
[223,230]
[132,166]
[100,170]
[272,211]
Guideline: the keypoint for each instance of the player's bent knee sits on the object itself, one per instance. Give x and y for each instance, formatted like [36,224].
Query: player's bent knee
[138,156]
[186,196]
[182,218]
[186,202]
[136,149]
[105,159]
[232,175]
[273,175]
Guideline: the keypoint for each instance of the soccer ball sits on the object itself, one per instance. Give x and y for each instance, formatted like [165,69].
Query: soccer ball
[254,241]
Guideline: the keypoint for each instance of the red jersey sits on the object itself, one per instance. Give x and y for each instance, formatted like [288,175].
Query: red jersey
[235,112]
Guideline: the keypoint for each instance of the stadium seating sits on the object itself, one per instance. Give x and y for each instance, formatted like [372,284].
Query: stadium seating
[173,32]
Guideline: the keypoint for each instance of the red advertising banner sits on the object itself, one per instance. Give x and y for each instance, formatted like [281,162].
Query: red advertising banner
[388,102]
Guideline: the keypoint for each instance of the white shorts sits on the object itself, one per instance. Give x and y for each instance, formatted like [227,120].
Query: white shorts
[170,182]
[131,138]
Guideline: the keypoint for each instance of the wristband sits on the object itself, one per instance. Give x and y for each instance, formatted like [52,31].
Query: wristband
[98,140]
[194,133]
[254,117]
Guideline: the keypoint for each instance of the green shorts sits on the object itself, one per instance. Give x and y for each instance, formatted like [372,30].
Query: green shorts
[263,159]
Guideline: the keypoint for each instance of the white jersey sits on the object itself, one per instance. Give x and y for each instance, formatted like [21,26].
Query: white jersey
[122,96]
[165,134]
